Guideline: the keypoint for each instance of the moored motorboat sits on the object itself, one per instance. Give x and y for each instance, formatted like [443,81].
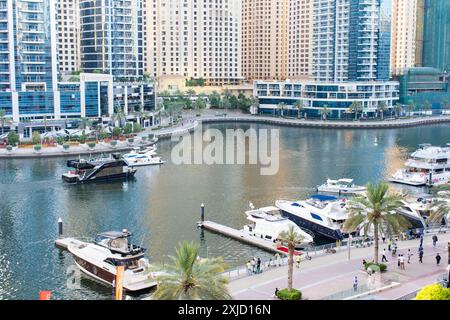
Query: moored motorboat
[341,186]
[143,157]
[109,250]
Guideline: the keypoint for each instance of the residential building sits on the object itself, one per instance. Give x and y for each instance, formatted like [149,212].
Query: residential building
[68,21]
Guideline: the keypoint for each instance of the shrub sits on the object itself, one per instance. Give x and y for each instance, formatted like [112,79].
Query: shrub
[37,147]
[13,138]
[116,132]
[36,138]
[137,128]
[60,140]
[433,292]
[9,148]
[381,266]
[285,294]
[128,128]
[91,145]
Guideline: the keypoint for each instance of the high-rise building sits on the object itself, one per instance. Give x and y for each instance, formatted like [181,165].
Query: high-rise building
[403,44]
[349,40]
[199,39]
[68,17]
[276,39]
[111,37]
[28,56]
[436,34]
[419,32]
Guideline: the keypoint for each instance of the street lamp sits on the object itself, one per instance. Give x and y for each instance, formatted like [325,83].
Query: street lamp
[349,244]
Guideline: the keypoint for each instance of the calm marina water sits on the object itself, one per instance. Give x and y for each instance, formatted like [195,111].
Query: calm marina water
[161,206]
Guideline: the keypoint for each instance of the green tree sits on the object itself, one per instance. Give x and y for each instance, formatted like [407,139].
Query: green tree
[116,132]
[382,108]
[199,103]
[445,105]
[189,278]
[86,123]
[299,106]
[398,109]
[128,128]
[13,138]
[377,212]
[282,106]
[291,239]
[214,100]
[325,112]
[427,106]
[190,92]
[36,137]
[254,102]
[440,208]
[411,106]
[2,119]
[119,116]
[137,128]
[356,107]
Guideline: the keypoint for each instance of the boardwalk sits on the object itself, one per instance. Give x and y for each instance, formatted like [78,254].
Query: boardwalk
[331,276]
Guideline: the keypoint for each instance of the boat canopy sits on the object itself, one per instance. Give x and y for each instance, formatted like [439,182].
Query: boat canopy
[322,197]
[346,180]
[114,234]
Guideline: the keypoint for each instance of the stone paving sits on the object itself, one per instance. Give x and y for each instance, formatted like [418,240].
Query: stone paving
[334,274]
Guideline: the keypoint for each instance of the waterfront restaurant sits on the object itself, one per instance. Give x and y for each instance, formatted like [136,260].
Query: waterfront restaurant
[280,98]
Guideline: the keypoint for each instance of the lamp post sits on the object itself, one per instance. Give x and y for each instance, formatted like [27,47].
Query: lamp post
[349,244]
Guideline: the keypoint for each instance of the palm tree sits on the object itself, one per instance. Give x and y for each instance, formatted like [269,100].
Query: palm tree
[191,278]
[282,107]
[382,109]
[445,104]
[441,209]
[119,115]
[2,119]
[427,106]
[85,123]
[398,108]
[411,106]
[291,239]
[299,106]
[356,107]
[325,112]
[190,92]
[254,102]
[378,212]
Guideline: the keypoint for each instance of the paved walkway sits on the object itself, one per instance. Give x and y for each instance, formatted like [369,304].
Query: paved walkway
[333,274]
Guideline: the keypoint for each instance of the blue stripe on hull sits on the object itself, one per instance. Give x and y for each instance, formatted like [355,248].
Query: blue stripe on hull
[314,227]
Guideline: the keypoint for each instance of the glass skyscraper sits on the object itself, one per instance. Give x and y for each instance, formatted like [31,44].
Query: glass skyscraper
[436,34]
[111,37]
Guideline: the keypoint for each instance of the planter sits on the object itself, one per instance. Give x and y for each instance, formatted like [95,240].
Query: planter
[285,294]
[37,148]
[91,145]
[113,144]
[130,141]
[66,147]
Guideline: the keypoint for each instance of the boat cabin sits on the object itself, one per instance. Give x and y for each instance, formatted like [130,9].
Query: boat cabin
[117,242]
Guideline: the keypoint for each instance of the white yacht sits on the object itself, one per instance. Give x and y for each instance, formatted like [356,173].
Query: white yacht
[109,250]
[320,214]
[428,165]
[267,223]
[142,157]
[341,186]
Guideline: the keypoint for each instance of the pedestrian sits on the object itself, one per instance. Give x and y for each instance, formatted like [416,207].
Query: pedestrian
[253,263]
[249,268]
[364,263]
[258,266]
[278,259]
[389,244]
[435,239]
[384,259]
[421,240]
[438,259]
[355,283]
[276,292]
[402,262]
[398,261]
[394,250]
[384,239]
[409,255]
[420,256]
[297,260]
[270,263]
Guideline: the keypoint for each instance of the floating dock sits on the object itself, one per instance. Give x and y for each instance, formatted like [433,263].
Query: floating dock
[240,236]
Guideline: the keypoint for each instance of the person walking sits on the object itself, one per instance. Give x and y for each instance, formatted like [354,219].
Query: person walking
[253,263]
[278,259]
[409,255]
[435,240]
[420,256]
[389,244]
[398,261]
[258,266]
[421,241]
[384,259]
[249,268]
[402,262]
[297,260]
[438,259]
[355,283]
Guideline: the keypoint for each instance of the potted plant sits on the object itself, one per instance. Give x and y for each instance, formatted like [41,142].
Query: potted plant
[37,148]
[66,147]
[113,144]
[9,148]
[130,141]
[91,145]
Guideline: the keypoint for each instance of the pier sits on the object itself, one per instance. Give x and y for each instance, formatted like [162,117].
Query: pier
[240,236]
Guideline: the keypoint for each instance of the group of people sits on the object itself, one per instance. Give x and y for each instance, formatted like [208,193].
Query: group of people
[254,266]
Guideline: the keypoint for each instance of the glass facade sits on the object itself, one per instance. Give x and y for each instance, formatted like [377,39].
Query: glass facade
[70,98]
[111,37]
[436,34]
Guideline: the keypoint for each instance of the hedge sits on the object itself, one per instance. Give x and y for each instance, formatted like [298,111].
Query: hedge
[285,294]
[381,266]
[433,292]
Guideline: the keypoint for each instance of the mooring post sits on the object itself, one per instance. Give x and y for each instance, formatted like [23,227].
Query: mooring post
[202,212]
[60,227]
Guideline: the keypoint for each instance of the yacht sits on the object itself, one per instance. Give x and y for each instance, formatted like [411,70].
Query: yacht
[320,214]
[429,165]
[109,250]
[267,223]
[341,186]
[142,157]
[104,169]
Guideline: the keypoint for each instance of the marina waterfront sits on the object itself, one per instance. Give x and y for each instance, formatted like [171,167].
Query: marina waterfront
[162,205]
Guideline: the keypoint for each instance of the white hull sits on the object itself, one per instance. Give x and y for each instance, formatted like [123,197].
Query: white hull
[341,190]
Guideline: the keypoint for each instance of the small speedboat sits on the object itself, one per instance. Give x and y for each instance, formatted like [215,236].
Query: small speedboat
[341,186]
[109,250]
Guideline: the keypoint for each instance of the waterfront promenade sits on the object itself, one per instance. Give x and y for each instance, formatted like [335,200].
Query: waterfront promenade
[331,276]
